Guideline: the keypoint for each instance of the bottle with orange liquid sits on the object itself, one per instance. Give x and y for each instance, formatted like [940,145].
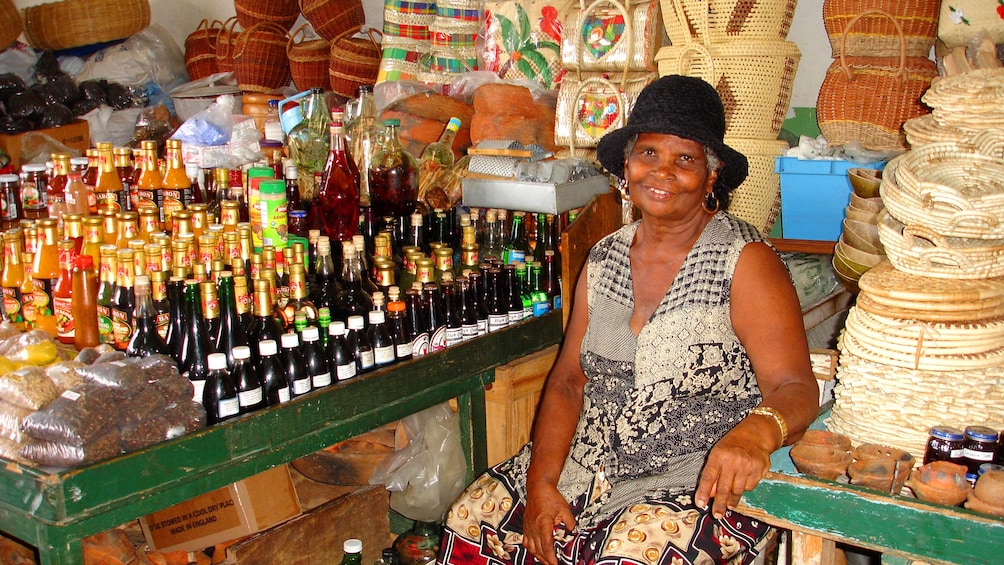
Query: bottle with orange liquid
[148,180]
[85,292]
[177,192]
[11,277]
[108,189]
[55,190]
[62,292]
[45,273]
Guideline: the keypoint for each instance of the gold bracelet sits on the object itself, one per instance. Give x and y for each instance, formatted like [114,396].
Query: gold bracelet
[773,413]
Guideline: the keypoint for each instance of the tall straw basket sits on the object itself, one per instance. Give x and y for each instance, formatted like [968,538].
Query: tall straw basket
[354,62]
[868,99]
[720,21]
[225,38]
[875,35]
[332,18]
[281,12]
[10,23]
[260,61]
[75,23]
[308,61]
[200,49]
[753,78]
[758,199]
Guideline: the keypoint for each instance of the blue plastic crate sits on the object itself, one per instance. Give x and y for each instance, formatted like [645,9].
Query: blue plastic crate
[814,194]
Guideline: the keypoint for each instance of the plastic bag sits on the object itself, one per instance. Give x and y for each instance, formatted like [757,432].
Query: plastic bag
[11,417]
[24,105]
[28,387]
[64,374]
[75,418]
[427,475]
[11,84]
[55,454]
[211,126]
[125,378]
[148,56]
[144,433]
[185,418]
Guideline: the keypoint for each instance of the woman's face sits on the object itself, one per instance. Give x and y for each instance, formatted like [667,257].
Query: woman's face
[668,176]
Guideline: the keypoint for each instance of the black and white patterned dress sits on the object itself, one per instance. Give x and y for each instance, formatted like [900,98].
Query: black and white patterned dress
[653,407]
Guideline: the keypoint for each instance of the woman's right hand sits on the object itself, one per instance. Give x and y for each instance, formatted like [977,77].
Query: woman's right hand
[546,509]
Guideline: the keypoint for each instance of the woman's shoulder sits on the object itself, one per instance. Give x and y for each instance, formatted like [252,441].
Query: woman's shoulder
[730,227]
[618,238]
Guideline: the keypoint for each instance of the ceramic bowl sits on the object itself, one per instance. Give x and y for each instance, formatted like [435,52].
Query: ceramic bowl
[823,461]
[862,235]
[866,204]
[859,215]
[826,438]
[856,256]
[990,487]
[940,482]
[882,473]
[977,504]
[865,182]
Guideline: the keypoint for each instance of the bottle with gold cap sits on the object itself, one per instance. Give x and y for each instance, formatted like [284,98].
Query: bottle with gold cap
[264,325]
[149,182]
[145,339]
[45,272]
[200,218]
[244,300]
[158,292]
[153,259]
[28,291]
[127,174]
[123,299]
[89,176]
[109,227]
[299,303]
[109,191]
[55,190]
[177,192]
[211,311]
[148,218]
[93,238]
[62,292]
[138,257]
[128,228]
[12,277]
[73,229]
[106,290]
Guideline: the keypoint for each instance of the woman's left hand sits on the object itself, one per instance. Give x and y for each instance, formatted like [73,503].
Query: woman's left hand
[735,465]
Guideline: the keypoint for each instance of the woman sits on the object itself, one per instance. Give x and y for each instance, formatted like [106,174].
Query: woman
[684,366]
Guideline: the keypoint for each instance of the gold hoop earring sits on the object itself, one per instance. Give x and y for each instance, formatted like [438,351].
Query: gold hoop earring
[622,186]
[711,203]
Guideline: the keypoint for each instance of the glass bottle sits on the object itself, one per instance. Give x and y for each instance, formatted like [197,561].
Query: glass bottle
[336,208]
[516,248]
[75,196]
[195,346]
[45,273]
[308,142]
[177,325]
[88,167]
[33,188]
[492,248]
[294,365]
[122,157]
[498,312]
[298,300]
[418,320]
[363,135]
[93,239]
[523,286]
[352,552]
[177,191]
[145,339]
[467,312]
[435,319]
[393,177]
[158,291]
[359,344]
[264,325]
[273,127]
[315,358]
[62,292]
[55,190]
[123,299]
[211,311]
[378,334]
[451,311]
[441,150]
[250,393]
[540,301]
[109,192]
[219,395]
[341,359]
[419,545]
[149,182]
[244,299]
[28,290]
[275,383]
[353,299]
[397,324]
[513,301]
[480,305]
[550,278]
[85,313]
[231,333]
[107,272]
[12,277]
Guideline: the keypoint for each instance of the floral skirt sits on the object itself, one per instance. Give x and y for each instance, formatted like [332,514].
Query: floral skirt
[485,527]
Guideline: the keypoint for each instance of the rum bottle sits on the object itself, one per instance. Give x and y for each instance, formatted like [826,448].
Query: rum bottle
[315,358]
[294,365]
[359,344]
[250,393]
[145,339]
[275,383]
[393,177]
[337,203]
[341,360]
[219,396]
[380,340]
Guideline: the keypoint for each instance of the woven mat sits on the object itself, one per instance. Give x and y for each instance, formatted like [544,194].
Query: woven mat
[919,337]
[959,312]
[918,357]
[905,290]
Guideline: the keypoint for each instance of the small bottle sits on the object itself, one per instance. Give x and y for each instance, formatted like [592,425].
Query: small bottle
[106,287]
[315,358]
[85,313]
[441,150]
[195,344]
[294,365]
[387,557]
[62,293]
[352,550]
[211,311]
[219,395]
[273,377]
[417,320]
[498,315]
[250,393]
[467,310]
[397,323]
[359,344]
[12,277]
[123,298]
[273,127]
[380,339]
[145,340]
[341,360]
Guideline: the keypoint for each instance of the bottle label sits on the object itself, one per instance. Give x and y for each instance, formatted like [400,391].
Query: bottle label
[105,329]
[198,387]
[301,386]
[274,230]
[121,328]
[170,202]
[516,256]
[956,453]
[383,355]
[284,395]
[421,345]
[33,196]
[975,455]
[250,397]
[43,296]
[12,304]
[28,308]
[454,336]
[527,311]
[228,407]
[469,331]
[438,339]
[346,371]
[515,316]
[322,380]
[111,201]
[146,198]
[8,208]
[163,321]
[541,308]
[497,322]
[63,308]
[403,350]
[366,359]
[482,326]
[557,301]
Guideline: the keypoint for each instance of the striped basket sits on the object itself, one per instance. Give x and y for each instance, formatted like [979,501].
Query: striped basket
[260,61]
[721,21]
[876,36]
[758,199]
[353,62]
[332,18]
[308,61]
[281,12]
[10,23]
[753,78]
[200,49]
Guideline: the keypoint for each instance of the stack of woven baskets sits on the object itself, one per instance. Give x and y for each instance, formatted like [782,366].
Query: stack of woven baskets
[880,69]
[739,47]
[924,344]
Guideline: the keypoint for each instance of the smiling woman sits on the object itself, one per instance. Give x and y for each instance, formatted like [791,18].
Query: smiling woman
[670,390]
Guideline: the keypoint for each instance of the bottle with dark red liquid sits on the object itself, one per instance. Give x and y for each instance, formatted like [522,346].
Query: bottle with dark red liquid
[393,177]
[337,203]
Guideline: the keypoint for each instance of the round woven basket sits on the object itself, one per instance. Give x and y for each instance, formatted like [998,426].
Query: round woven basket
[75,23]
[281,12]
[968,100]
[720,21]
[260,62]
[332,18]
[875,35]
[758,199]
[925,129]
[225,38]
[958,174]
[754,79]
[354,62]
[919,250]
[308,61]
[200,49]
[10,23]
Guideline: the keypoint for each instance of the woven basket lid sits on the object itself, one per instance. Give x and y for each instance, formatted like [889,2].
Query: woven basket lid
[883,281]
[968,100]
[958,312]
[919,357]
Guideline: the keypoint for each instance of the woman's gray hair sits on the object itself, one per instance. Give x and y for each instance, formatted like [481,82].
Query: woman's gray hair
[714,163]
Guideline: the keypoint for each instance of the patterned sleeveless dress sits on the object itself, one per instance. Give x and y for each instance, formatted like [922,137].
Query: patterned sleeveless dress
[653,407]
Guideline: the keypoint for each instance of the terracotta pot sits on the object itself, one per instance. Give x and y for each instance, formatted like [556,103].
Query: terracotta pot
[990,487]
[976,504]
[867,451]
[880,467]
[823,437]
[940,482]
[823,461]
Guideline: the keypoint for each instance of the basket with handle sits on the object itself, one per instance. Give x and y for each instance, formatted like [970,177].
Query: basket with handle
[610,35]
[75,23]
[10,23]
[721,21]
[225,38]
[260,61]
[332,18]
[875,35]
[354,61]
[200,49]
[919,250]
[308,60]
[591,104]
[868,99]
[281,12]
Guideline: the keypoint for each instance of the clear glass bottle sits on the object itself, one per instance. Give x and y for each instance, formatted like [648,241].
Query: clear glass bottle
[336,208]
[363,135]
[308,142]
[393,177]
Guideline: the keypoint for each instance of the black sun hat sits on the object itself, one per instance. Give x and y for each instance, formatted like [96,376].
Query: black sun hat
[683,106]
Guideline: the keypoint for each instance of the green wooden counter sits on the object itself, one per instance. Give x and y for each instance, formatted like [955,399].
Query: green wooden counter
[54,511]
[902,528]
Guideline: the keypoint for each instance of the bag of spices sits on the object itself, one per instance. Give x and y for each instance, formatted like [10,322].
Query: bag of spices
[76,417]
[56,454]
[28,387]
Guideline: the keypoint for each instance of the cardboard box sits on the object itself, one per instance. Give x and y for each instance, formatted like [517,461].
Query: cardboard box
[225,514]
[814,194]
[75,135]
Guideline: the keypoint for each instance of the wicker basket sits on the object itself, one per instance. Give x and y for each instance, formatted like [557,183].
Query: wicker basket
[957,174]
[758,199]
[332,18]
[754,79]
[720,21]
[75,23]
[919,250]
[200,49]
[354,62]
[925,129]
[10,23]
[260,62]
[308,61]
[225,39]
[868,99]
[875,35]
[281,12]
[970,100]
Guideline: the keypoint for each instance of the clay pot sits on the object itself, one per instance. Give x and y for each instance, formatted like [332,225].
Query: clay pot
[990,487]
[880,467]
[975,503]
[940,482]
[823,461]
[823,437]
